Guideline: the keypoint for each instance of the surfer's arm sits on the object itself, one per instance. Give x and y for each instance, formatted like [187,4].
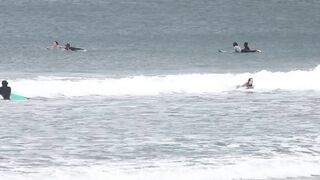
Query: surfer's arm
[244,85]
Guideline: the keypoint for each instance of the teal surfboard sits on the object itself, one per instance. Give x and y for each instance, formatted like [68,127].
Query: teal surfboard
[17,97]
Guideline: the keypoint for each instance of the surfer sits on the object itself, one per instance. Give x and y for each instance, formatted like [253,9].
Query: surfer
[68,47]
[5,90]
[247,49]
[55,45]
[236,47]
[248,84]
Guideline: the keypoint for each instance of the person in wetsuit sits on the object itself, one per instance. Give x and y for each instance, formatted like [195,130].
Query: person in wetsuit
[68,47]
[248,84]
[5,90]
[247,49]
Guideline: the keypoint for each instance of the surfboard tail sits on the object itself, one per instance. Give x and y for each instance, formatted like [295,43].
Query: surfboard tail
[17,97]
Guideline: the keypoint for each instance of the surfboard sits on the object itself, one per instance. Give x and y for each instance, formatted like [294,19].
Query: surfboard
[241,87]
[17,97]
[223,51]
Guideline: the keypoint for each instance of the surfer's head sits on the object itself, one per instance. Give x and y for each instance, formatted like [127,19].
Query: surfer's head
[235,44]
[67,46]
[245,44]
[4,83]
[250,82]
[56,43]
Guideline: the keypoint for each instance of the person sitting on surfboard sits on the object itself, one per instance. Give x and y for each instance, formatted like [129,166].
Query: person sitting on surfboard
[68,47]
[5,90]
[247,49]
[236,47]
[55,45]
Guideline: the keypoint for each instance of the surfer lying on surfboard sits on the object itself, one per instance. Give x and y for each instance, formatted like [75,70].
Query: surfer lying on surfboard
[247,85]
[246,48]
[237,49]
[69,48]
[55,45]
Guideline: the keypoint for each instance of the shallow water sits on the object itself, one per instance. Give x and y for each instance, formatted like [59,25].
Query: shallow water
[237,135]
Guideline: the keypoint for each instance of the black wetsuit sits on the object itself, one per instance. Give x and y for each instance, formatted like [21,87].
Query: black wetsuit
[249,86]
[5,91]
[248,50]
[73,48]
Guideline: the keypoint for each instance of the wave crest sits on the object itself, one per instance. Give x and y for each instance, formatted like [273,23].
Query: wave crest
[154,85]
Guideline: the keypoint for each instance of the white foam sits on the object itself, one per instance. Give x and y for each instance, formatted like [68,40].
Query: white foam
[155,85]
[281,167]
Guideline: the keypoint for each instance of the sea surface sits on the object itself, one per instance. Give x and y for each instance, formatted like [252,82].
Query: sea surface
[152,98]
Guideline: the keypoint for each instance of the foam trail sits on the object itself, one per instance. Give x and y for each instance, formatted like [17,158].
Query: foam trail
[280,168]
[155,85]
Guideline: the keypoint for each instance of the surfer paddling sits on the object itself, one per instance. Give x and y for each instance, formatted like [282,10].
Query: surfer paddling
[246,48]
[69,48]
[237,48]
[247,85]
[55,45]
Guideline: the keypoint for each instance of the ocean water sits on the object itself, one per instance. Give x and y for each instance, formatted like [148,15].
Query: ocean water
[152,98]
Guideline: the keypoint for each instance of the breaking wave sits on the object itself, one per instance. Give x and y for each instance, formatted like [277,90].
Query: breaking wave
[297,80]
